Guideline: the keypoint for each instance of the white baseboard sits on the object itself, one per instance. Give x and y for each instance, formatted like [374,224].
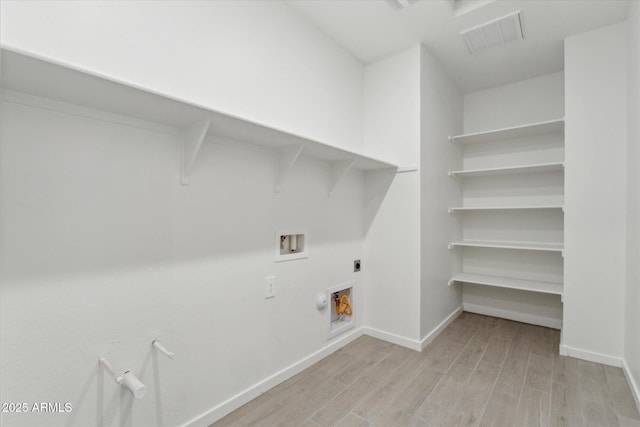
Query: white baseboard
[633,384]
[393,338]
[547,322]
[256,390]
[436,331]
[563,348]
[592,356]
[411,343]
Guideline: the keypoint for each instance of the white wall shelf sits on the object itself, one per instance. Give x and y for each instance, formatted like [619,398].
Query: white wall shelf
[533,129]
[529,246]
[42,77]
[507,282]
[510,170]
[510,216]
[504,208]
[408,168]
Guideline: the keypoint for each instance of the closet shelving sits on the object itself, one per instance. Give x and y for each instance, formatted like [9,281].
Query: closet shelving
[511,283]
[524,246]
[510,170]
[493,190]
[532,129]
[29,79]
[503,208]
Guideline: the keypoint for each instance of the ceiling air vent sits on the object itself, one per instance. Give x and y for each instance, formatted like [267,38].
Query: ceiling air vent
[494,33]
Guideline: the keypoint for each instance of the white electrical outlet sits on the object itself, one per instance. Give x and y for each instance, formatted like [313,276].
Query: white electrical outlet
[270,290]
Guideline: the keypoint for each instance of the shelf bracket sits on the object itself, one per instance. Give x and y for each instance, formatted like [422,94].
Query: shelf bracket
[337,171]
[287,156]
[193,138]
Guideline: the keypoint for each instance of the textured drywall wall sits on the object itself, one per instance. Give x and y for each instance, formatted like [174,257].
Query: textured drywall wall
[632,295]
[392,245]
[595,192]
[103,250]
[254,59]
[440,116]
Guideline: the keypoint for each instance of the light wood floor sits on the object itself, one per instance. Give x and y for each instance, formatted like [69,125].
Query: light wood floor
[480,371]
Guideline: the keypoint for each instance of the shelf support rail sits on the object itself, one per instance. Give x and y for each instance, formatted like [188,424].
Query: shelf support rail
[193,139]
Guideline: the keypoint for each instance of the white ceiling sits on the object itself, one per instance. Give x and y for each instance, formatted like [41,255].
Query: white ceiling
[371,30]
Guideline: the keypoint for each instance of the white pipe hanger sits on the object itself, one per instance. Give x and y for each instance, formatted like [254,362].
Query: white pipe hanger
[162,349]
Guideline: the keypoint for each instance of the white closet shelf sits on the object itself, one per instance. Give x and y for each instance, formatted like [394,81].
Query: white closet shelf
[45,78]
[510,283]
[532,129]
[504,208]
[529,246]
[510,170]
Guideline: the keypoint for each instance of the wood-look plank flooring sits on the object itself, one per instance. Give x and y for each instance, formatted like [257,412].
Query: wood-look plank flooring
[480,371]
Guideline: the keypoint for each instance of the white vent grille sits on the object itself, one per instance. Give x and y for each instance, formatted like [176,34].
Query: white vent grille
[499,31]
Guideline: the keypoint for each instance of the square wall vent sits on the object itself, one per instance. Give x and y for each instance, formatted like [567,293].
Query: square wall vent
[499,31]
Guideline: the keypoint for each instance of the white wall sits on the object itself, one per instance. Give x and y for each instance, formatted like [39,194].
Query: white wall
[632,296]
[537,99]
[392,108]
[391,263]
[392,247]
[441,116]
[595,193]
[523,102]
[102,250]
[254,59]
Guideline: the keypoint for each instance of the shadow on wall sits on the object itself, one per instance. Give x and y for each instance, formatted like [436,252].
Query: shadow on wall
[377,185]
[121,404]
[229,210]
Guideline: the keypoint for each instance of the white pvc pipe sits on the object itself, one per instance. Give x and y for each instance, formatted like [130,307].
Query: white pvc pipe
[134,385]
[107,367]
[128,379]
[162,349]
